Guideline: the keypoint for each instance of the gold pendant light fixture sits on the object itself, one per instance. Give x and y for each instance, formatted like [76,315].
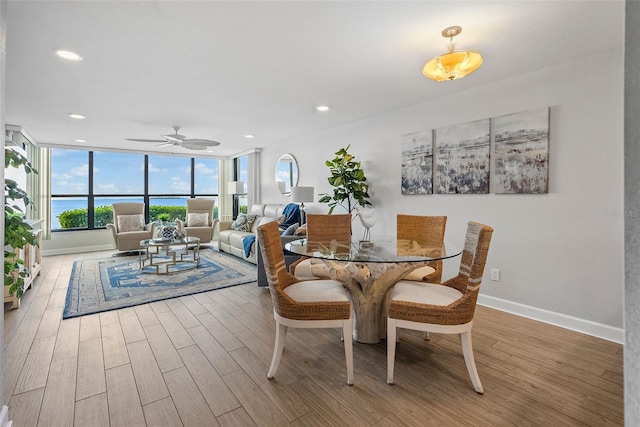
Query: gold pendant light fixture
[454,64]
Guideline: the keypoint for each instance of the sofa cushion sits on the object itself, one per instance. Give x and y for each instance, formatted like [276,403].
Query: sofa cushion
[235,238]
[243,222]
[257,209]
[265,219]
[273,210]
[128,223]
[197,219]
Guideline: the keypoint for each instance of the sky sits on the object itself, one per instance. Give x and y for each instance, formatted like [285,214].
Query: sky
[120,173]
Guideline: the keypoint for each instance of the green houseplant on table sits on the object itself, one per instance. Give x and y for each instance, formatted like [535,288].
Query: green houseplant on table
[17,233]
[350,188]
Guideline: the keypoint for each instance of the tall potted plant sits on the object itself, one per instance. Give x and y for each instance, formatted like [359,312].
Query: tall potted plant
[17,233]
[350,188]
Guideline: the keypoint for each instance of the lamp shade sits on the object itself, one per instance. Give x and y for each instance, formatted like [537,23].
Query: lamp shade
[235,187]
[452,65]
[302,194]
[455,64]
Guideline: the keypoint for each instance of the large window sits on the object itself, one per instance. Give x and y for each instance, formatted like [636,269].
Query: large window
[240,173]
[84,185]
[69,188]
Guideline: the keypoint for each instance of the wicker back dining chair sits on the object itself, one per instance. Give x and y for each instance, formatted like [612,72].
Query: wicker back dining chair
[322,230]
[302,304]
[427,231]
[446,308]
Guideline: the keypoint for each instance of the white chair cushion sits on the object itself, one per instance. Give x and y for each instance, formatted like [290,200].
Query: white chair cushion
[424,293]
[304,269]
[420,273]
[130,223]
[197,220]
[317,290]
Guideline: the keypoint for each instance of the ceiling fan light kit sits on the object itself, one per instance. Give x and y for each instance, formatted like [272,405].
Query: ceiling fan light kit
[455,64]
[178,140]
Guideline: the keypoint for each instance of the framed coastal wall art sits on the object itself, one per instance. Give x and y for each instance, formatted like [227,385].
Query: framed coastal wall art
[417,162]
[521,152]
[462,158]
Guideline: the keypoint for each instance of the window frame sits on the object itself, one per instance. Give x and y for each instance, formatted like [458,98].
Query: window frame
[91,195]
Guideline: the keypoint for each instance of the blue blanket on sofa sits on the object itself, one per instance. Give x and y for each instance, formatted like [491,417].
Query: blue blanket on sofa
[291,214]
[246,243]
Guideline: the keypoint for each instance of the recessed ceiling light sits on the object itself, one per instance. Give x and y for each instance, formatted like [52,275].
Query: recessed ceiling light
[322,108]
[77,116]
[68,54]
[81,140]
[249,135]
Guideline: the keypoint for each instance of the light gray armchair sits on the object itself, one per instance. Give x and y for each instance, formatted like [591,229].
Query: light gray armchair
[128,227]
[196,224]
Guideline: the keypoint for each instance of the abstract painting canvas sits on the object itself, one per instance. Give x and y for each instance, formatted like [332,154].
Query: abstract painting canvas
[462,158]
[521,152]
[417,162]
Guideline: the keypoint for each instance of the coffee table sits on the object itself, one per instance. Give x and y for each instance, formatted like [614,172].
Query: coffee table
[164,256]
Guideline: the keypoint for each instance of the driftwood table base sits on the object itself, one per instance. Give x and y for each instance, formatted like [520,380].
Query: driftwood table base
[368,284]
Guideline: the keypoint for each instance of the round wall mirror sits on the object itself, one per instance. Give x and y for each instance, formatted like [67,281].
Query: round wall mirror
[286,174]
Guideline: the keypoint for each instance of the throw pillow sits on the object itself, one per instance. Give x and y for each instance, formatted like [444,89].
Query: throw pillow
[243,222]
[290,230]
[197,220]
[130,223]
[301,231]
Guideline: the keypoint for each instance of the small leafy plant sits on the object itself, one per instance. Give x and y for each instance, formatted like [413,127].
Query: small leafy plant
[17,233]
[350,184]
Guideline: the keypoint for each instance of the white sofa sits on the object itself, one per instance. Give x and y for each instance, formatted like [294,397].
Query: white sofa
[230,241]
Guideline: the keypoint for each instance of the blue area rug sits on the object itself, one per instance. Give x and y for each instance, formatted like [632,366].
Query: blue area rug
[107,284]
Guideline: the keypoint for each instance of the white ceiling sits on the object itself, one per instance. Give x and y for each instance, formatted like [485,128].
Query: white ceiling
[225,69]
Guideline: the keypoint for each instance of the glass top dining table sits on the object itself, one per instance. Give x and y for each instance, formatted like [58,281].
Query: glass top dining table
[387,249]
[368,270]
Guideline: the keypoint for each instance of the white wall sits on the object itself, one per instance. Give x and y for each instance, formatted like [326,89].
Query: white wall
[632,225]
[77,242]
[561,253]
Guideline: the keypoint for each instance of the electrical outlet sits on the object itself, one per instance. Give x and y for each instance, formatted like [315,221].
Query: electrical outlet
[495,274]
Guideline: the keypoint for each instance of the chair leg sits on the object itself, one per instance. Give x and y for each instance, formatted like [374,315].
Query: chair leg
[391,349]
[281,332]
[348,349]
[426,336]
[467,351]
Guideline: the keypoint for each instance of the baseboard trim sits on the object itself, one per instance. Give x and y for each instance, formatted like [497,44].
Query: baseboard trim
[77,250]
[4,417]
[588,327]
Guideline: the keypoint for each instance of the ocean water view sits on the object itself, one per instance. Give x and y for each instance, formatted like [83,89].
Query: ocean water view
[65,204]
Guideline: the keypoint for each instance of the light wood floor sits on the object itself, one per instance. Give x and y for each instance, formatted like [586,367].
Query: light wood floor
[202,360]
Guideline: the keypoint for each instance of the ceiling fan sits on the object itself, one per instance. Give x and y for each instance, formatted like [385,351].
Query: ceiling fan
[180,141]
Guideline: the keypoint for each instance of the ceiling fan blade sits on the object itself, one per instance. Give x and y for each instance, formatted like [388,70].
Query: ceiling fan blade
[175,137]
[192,146]
[180,140]
[166,144]
[205,142]
[145,140]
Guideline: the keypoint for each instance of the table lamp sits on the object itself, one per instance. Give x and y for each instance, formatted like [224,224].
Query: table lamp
[301,195]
